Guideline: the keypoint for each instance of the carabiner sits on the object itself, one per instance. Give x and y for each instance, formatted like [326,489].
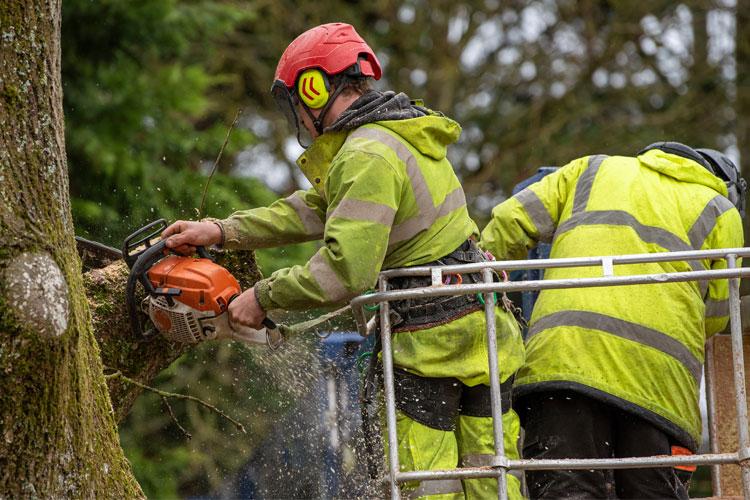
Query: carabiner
[370,307]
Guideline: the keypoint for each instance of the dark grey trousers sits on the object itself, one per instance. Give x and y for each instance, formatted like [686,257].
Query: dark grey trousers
[565,424]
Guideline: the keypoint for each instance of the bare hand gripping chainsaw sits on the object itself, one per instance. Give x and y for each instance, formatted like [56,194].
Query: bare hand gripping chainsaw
[186,297]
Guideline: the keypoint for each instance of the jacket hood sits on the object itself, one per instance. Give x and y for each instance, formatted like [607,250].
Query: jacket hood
[428,131]
[430,135]
[682,169]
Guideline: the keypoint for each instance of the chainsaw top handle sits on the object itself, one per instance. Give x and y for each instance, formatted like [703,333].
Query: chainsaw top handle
[142,236]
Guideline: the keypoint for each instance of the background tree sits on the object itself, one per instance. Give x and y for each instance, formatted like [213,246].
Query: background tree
[742,88]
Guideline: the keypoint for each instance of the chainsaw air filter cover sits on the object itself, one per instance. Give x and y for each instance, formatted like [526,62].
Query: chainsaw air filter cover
[177,322]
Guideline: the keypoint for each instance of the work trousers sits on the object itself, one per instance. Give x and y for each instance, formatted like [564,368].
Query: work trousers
[566,424]
[424,448]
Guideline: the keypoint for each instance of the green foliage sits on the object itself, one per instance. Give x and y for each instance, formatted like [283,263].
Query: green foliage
[231,377]
[141,120]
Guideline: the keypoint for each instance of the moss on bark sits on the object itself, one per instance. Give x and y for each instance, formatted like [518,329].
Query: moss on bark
[58,433]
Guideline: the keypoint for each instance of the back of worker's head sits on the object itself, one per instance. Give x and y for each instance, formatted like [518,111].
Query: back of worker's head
[318,66]
[726,170]
[715,162]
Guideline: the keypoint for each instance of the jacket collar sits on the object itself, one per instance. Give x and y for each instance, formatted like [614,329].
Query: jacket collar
[316,159]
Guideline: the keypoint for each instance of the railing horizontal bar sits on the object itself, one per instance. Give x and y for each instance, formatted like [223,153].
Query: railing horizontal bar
[513,286]
[511,265]
[570,464]
[626,463]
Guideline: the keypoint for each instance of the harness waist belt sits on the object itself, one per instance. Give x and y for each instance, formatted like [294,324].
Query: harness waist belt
[412,314]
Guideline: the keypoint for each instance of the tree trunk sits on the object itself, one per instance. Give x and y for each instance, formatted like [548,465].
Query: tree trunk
[58,436]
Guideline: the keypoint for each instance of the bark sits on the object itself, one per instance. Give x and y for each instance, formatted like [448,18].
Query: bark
[58,433]
[58,437]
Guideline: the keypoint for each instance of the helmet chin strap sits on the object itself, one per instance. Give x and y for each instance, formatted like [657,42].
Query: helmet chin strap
[318,122]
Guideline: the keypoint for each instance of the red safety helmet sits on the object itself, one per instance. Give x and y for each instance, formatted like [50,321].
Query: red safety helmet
[334,49]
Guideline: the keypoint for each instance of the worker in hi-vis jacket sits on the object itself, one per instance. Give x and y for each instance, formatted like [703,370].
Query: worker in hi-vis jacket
[615,372]
[383,196]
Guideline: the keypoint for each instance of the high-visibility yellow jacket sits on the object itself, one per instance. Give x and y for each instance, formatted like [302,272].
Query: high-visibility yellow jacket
[384,195]
[639,347]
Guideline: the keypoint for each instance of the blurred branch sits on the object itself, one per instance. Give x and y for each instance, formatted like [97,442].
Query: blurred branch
[174,418]
[165,394]
[216,163]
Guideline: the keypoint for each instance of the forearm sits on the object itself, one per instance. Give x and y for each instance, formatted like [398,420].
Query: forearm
[338,272]
[510,233]
[294,219]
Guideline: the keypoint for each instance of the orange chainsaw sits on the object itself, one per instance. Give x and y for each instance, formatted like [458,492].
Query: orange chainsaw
[186,297]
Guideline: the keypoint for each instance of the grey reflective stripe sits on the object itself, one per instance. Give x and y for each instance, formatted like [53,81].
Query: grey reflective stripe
[477,460]
[428,213]
[310,220]
[364,210]
[410,227]
[624,329]
[327,279]
[585,183]
[717,308]
[436,487]
[703,285]
[518,474]
[453,200]
[648,234]
[706,221]
[538,213]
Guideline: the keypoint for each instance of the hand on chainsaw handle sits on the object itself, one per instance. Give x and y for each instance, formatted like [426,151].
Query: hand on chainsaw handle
[184,236]
[245,310]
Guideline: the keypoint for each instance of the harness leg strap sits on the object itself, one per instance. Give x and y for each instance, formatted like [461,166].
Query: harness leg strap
[430,401]
[477,401]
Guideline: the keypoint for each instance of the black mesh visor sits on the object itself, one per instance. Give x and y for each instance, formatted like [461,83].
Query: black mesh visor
[285,100]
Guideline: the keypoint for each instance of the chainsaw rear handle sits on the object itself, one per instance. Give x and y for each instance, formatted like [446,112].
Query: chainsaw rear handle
[267,322]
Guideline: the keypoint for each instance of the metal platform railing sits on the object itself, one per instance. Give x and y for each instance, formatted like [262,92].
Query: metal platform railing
[502,464]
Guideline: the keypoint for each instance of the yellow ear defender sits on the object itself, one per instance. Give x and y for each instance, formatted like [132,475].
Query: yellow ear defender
[313,87]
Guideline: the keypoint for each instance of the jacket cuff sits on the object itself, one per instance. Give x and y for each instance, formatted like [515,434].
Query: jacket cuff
[263,294]
[230,232]
[221,228]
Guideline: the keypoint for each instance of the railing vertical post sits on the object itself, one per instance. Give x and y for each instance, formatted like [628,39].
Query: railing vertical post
[740,394]
[496,399]
[713,425]
[390,398]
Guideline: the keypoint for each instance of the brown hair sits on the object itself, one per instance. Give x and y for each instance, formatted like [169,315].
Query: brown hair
[357,86]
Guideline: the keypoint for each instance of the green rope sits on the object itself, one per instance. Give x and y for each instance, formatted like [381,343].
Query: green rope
[371,307]
[361,359]
[480,296]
